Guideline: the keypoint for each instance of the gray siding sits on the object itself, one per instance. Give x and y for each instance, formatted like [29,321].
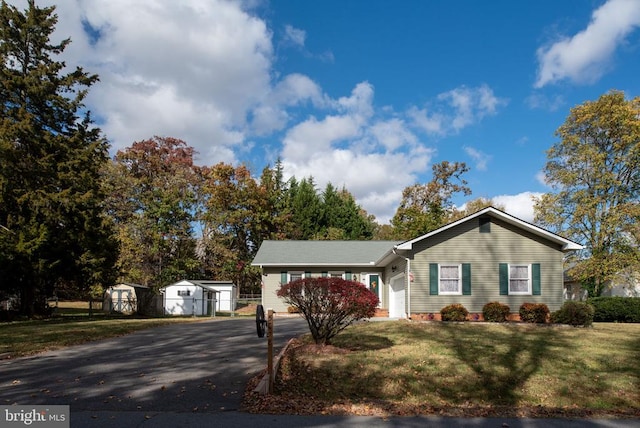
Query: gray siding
[271,280]
[485,251]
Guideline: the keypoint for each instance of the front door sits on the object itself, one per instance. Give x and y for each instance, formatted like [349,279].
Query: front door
[396,297]
[374,286]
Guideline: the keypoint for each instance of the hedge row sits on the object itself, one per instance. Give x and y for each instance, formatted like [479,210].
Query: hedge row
[616,309]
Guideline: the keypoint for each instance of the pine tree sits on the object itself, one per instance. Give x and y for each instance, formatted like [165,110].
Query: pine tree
[53,231]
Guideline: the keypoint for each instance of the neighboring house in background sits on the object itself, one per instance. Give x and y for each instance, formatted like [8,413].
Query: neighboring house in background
[625,284]
[487,256]
[123,298]
[199,297]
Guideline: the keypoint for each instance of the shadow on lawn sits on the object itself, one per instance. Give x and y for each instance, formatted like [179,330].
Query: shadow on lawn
[501,360]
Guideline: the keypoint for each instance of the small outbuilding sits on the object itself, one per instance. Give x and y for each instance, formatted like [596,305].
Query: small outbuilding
[123,297]
[199,297]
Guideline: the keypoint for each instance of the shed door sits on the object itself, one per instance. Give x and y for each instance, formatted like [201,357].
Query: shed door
[396,297]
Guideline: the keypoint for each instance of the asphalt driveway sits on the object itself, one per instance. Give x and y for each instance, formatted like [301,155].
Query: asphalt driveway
[201,367]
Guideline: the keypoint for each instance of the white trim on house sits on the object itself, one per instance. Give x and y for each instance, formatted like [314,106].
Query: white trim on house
[567,245]
[529,279]
[441,292]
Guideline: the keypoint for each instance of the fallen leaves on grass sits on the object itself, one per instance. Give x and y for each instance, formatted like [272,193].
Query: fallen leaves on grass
[284,401]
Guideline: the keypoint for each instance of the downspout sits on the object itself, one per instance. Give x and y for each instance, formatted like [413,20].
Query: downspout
[408,276]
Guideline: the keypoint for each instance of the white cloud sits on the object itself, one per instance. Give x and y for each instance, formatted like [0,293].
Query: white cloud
[520,205]
[586,56]
[294,36]
[203,71]
[544,102]
[470,104]
[191,69]
[541,178]
[375,158]
[456,109]
[271,114]
[480,158]
[431,123]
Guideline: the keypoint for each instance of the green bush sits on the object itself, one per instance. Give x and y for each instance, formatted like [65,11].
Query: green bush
[455,312]
[496,312]
[574,313]
[534,313]
[616,309]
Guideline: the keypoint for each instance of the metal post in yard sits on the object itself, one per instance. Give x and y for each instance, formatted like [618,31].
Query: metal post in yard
[270,349]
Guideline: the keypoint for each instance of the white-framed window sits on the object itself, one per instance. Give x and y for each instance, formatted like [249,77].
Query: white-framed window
[184,293]
[294,275]
[520,279]
[450,279]
[336,274]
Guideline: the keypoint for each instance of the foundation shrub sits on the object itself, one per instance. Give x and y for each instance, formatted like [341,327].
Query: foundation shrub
[495,312]
[574,313]
[454,312]
[534,313]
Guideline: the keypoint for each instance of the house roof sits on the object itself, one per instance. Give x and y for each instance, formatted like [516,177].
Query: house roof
[376,253]
[321,253]
[567,245]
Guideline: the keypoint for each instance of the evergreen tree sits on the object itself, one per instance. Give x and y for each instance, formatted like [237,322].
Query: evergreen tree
[306,208]
[53,232]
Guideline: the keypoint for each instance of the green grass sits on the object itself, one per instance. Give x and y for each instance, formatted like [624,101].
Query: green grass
[71,325]
[417,368]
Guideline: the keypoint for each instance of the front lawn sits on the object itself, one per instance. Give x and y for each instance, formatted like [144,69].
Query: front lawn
[469,369]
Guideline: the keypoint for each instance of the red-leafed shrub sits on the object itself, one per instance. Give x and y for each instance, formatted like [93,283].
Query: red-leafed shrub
[329,304]
[534,313]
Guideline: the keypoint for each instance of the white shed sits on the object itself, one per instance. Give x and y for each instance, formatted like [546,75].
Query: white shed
[199,297]
[122,297]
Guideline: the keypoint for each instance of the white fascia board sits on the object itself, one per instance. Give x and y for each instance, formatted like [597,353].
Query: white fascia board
[567,245]
[284,264]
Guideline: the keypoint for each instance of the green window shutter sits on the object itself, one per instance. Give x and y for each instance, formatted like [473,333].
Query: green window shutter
[283,277]
[307,274]
[466,279]
[433,279]
[347,276]
[504,279]
[536,289]
[325,274]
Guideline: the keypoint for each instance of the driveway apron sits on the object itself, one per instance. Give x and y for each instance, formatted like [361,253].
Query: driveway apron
[201,367]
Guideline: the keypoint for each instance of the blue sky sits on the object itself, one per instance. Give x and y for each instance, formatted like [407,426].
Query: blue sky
[365,94]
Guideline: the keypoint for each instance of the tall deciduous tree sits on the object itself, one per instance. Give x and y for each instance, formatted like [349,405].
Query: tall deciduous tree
[152,189]
[473,206]
[52,228]
[233,218]
[425,207]
[594,171]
